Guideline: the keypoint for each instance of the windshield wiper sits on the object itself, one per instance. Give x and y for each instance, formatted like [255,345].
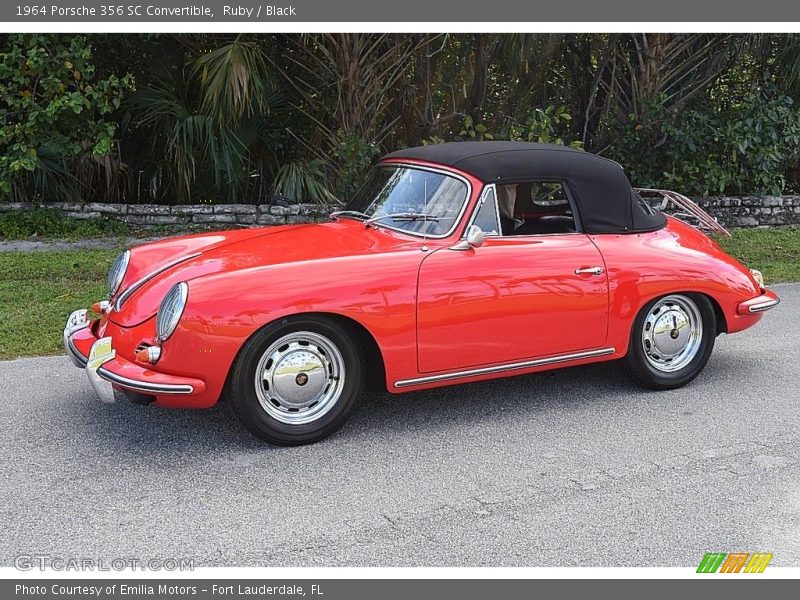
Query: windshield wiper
[406,216]
[348,213]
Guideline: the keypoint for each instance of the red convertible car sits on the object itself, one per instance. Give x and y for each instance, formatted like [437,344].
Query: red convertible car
[454,263]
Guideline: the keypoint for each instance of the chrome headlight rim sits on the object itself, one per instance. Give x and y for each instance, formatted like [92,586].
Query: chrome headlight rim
[171,310]
[117,272]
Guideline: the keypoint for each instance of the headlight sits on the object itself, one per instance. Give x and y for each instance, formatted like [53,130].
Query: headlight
[757,276]
[170,311]
[117,272]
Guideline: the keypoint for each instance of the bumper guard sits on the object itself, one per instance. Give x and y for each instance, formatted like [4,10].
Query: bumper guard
[767,300]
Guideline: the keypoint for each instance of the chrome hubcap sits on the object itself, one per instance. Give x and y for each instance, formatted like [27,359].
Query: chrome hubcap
[300,377]
[672,333]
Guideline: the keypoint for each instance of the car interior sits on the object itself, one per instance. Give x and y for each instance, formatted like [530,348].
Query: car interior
[534,208]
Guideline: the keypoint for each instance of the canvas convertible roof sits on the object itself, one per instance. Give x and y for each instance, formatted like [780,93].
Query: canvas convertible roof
[605,199]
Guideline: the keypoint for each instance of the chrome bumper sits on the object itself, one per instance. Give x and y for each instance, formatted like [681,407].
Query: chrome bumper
[76,321]
[102,377]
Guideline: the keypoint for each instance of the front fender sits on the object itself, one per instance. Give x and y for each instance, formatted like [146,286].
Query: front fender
[224,310]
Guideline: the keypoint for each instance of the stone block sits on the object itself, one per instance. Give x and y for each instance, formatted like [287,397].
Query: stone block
[148,209]
[104,207]
[271,220]
[214,218]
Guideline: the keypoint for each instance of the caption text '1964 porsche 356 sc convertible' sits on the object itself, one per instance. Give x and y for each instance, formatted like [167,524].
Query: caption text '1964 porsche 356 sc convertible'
[454,263]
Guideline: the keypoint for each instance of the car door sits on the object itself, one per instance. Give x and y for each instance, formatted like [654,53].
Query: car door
[511,299]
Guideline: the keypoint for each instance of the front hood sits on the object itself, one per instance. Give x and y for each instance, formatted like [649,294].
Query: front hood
[189,257]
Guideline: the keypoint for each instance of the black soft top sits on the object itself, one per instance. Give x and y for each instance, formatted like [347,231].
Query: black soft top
[605,199]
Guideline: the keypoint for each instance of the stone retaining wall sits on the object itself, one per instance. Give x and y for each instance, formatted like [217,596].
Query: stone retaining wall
[753,211]
[218,215]
[730,211]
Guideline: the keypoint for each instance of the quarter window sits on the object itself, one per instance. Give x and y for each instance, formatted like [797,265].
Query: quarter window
[487,218]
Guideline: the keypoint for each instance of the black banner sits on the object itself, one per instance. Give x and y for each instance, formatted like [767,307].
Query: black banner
[411,11]
[397,589]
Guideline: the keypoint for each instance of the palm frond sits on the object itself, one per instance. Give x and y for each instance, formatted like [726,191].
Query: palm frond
[235,81]
[304,182]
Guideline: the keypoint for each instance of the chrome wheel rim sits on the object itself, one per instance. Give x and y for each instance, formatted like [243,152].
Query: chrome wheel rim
[300,378]
[672,333]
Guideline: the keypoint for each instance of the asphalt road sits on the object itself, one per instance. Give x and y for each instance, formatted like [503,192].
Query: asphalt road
[573,468]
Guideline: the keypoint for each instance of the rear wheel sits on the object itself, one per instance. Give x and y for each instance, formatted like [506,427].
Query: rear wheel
[671,341]
[297,380]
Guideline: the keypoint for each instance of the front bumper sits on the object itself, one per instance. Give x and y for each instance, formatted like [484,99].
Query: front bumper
[110,374]
[767,300]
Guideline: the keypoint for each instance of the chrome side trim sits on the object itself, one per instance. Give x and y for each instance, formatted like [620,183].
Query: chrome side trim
[144,386]
[137,284]
[507,367]
[762,306]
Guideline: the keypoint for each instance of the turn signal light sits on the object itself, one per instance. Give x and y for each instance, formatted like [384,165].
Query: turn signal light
[150,355]
[757,276]
[101,307]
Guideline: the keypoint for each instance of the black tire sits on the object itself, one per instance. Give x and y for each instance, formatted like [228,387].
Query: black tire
[250,408]
[643,370]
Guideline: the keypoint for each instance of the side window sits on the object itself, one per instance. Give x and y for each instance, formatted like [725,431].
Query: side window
[486,218]
[538,208]
[548,194]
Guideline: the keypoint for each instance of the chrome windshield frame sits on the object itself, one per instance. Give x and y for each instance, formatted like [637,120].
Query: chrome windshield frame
[456,222]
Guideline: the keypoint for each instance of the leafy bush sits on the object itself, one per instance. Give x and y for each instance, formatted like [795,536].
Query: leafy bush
[745,149]
[547,125]
[54,115]
[475,132]
[228,118]
[354,156]
[49,222]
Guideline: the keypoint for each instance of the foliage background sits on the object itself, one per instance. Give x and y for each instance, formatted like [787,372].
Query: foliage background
[194,118]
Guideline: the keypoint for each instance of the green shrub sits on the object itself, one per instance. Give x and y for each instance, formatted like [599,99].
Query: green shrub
[546,125]
[49,222]
[354,156]
[745,149]
[55,120]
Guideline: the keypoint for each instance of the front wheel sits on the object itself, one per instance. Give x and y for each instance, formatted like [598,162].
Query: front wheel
[671,341]
[297,380]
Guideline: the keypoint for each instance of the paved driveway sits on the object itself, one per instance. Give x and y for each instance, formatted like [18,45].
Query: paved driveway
[576,467]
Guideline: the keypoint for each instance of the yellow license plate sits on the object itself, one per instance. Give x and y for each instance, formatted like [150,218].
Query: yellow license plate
[101,352]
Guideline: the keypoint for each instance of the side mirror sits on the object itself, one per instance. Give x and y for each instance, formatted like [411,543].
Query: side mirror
[475,236]
[473,239]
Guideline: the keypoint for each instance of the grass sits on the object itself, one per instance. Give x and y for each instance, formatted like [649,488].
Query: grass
[38,290]
[774,252]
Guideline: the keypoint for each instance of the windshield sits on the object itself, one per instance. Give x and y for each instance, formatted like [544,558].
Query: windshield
[413,200]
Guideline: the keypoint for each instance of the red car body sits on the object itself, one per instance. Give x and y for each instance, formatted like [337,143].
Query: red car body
[429,316]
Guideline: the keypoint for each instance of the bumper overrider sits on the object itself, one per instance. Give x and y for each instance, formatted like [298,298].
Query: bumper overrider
[767,300]
[113,376]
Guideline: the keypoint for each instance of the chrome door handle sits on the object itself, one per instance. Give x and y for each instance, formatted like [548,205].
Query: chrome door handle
[589,271]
